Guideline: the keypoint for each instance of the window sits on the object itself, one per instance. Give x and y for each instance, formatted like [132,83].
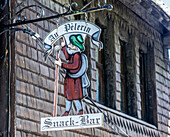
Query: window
[106,79]
[147,85]
[123,77]
[142,61]
[100,97]
[128,77]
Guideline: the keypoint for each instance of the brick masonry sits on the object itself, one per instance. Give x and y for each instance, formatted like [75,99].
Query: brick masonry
[35,78]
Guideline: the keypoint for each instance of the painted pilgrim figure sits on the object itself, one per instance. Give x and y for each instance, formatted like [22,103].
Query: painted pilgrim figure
[76,81]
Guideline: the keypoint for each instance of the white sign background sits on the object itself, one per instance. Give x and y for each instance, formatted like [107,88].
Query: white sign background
[75,27]
[72,122]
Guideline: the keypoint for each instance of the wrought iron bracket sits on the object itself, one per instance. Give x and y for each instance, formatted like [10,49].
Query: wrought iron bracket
[107,7]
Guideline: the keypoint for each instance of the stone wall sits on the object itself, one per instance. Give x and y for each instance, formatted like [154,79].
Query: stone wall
[34,89]
[34,79]
[149,39]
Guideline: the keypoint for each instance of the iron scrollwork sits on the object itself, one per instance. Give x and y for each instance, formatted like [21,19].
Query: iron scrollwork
[23,18]
[2,7]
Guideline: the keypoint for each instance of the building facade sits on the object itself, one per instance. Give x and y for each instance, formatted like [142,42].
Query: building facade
[130,76]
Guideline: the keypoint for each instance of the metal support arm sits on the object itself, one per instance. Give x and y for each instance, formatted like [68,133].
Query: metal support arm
[107,7]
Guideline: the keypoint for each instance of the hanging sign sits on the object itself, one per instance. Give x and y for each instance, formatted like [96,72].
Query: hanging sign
[72,39]
[72,122]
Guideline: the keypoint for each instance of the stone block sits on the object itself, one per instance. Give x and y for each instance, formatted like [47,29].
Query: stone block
[42,93]
[34,66]
[159,61]
[159,86]
[19,47]
[40,56]
[32,126]
[117,46]
[138,96]
[32,102]
[93,85]
[40,104]
[35,116]
[37,92]
[24,49]
[48,107]
[118,58]
[42,82]
[166,97]
[30,89]
[116,38]
[52,73]
[139,105]
[19,98]
[159,54]
[54,134]
[93,95]
[61,77]
[159,78]
[22,61]
[118,106]
[34,54]
[35,78]
[159,118]
[165,120]
[137,62]
[61,89]
[138,87]
[93,74]
[17,85]
[29,52]
[21,112]
[118,86]
[25,75]
[160,110]
[19,73]
[118,67]
[17,59]
[44,70]
[159,101]
[165,112]
[18,111]
[138,70]
[23,134]
[29,77]
[93,64]
[158,69]
[118,77]
[118,96]
[50,84]
[93,53]
[139,114]
[19,123]
[27,63]
[47,95]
